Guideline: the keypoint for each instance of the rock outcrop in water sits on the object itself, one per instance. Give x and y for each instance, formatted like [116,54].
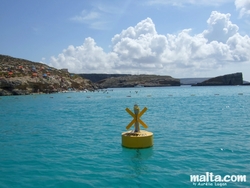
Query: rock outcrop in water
[228,79]
[23,77]
[139,80]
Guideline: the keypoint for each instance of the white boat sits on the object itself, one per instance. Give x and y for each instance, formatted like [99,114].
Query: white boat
[138,85]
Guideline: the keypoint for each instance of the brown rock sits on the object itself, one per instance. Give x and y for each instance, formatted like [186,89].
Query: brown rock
[139,80]
[228,79]
[30,77]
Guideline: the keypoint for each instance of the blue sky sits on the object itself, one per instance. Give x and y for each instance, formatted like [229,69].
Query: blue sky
[191,38]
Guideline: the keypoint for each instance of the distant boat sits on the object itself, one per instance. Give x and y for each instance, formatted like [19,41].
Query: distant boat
[138,85]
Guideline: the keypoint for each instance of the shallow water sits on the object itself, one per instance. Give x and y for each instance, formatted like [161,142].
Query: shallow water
[74,139]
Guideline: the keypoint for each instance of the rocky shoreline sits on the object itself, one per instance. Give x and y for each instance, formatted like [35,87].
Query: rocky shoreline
[23,77]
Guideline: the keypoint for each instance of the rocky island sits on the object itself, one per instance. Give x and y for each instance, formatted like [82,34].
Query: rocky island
[139,81]
[228,79]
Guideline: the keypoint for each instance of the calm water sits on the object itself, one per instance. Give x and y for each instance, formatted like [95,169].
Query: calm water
[74,139]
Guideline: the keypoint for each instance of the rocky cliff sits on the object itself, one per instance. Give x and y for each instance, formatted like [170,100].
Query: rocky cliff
[23,77]
[228,79]
[139,80]
[96,77]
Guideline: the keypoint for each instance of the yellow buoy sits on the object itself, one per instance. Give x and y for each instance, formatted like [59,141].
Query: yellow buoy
[143,139]
[137,138]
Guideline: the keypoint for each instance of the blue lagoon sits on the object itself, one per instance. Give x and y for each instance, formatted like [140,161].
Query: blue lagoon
[74,139]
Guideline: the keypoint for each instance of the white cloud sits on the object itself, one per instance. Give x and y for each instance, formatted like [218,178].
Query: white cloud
[85,58]
[86,16]
[93,19]
[243,6]
[220,27]
[140,49]
[239,46]
[99,17]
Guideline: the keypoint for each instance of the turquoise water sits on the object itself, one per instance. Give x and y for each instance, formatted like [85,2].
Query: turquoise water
[74,139]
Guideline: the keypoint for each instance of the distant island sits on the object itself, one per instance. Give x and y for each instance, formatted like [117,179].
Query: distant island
[128,80]
[24,77]
[228,79]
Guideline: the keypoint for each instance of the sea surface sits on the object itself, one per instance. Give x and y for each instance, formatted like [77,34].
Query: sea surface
[74,139]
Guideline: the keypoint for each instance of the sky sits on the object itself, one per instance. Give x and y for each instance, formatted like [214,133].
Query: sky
[179,38]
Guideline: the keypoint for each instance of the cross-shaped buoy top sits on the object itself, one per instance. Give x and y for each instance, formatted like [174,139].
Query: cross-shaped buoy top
[136,115]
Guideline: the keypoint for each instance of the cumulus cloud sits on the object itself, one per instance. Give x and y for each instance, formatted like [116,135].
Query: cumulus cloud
[220,28]
[85,58]
[243,6]
[140,49]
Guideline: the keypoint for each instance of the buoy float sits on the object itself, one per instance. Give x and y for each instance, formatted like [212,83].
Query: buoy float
[137,138]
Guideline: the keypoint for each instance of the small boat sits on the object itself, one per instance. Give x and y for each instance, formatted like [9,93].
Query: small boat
[138,85]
